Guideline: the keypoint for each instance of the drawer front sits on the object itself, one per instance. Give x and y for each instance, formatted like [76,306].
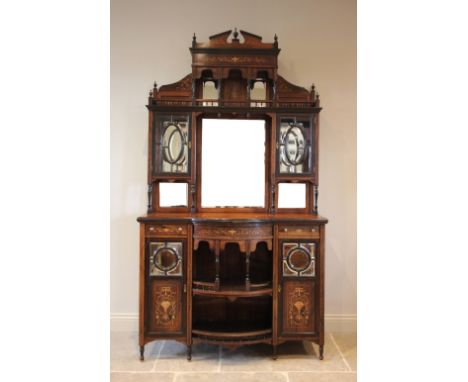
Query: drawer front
[310,231]
[166,229]
[233,232]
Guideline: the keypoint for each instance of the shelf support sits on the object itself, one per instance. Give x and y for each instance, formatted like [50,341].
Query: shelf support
[217,264]
[247,266]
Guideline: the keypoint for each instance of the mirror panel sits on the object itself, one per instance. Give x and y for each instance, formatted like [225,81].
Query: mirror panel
[258,94]
[298,259]
[295,147]
[165,259]
[233,163]
[292,195]
[171,149]
[210,93]
[173,194]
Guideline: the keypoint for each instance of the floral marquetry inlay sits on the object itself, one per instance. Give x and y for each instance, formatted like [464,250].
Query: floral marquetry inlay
[299,309]
[166,306]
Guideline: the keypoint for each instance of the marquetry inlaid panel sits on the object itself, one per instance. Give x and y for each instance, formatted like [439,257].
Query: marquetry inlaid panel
[298,307]
[228,232]
[165,306]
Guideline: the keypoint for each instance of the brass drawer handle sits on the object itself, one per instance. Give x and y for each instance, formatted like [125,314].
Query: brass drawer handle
[232,231]
[151,228]
[179,229]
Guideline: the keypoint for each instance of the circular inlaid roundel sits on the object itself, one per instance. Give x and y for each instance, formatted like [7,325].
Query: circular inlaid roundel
[298,259]
[165,259]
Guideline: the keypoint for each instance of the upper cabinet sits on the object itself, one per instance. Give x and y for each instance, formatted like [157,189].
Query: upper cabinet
[172,145]
[234,78]
[295,146]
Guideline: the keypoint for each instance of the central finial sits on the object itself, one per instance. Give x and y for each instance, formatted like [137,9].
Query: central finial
[236,33]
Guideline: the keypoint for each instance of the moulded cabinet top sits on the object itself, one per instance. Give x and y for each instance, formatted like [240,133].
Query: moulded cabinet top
[242,217]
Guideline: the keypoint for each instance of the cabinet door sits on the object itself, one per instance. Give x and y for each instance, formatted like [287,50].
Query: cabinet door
[166,297]
[298,302]
[295,147]
[172,145]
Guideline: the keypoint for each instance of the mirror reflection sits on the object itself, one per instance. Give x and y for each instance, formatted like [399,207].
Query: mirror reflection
[233,163]
[174,147]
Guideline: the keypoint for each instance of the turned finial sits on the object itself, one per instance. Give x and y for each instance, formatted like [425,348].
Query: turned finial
[194,40]
[155,86]
[276,41]
[236,33]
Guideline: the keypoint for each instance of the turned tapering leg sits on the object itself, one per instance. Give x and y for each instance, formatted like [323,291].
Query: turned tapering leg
[321,351]
[275,354]
[189,352]
[142,351]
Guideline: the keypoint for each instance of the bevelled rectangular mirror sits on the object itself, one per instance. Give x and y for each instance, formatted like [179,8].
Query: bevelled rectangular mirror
[173,194]
[291,195]
[233,163]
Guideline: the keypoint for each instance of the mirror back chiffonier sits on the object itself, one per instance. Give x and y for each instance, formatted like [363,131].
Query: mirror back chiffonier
[239,268]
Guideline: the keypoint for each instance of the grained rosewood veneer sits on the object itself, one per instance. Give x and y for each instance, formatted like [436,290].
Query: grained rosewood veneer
[232,276]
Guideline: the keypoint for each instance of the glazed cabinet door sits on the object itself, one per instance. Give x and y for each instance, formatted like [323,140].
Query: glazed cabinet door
[166,287]
[298,285]
[172,146]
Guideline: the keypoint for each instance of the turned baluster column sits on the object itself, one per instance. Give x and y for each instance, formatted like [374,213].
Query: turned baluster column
[247,265]
[217,283]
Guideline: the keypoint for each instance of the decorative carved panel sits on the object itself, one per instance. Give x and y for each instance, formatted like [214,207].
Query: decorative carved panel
[298,307]
[165,307]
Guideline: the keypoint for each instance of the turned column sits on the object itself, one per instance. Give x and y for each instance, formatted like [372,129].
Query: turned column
[247,265]
[217,283]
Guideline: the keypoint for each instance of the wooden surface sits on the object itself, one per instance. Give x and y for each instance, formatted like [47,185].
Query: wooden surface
[232,291]
[238,217]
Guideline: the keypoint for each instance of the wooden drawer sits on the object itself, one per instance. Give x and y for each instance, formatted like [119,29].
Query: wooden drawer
[233,232]
[166,229]
[309,231]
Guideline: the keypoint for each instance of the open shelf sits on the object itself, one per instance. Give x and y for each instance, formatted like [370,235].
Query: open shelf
[232,266]
[231,290]
[251,336]
[246,318]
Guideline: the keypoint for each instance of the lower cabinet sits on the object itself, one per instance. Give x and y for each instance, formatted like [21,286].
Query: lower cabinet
[231,284]
[166,288]
[298,298]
